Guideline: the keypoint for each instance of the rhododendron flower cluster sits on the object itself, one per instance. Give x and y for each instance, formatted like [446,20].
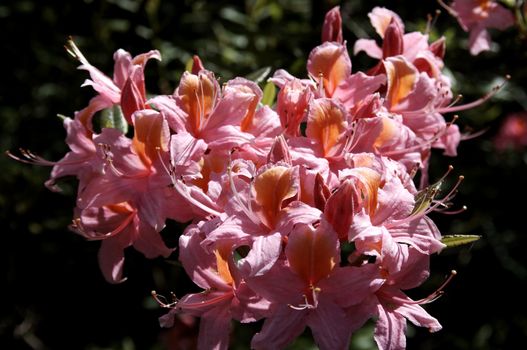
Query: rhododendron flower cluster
[303,213]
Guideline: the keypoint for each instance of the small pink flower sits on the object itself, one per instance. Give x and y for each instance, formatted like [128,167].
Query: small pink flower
[476,16]
[310,289]
[413,46]
[127,87]
[225,295]
[403,268]
[200,107]
[128,202]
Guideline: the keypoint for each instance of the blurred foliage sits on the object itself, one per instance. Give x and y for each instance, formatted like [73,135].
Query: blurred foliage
[54,296]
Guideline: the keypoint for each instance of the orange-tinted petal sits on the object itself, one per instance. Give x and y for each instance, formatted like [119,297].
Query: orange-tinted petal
[197,95]
[273,187]
[151,135]
[369,183]
[388,132]
[402,77]
[325,123]
[331,61]
[222,263]
[211,163]
[312,253]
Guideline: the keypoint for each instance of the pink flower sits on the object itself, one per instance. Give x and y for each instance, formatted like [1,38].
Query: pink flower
[256,214]
[413,46]
[475,16]
[403,268]
[310,289]
[225,295]
[421,100]
[200,107]
[127,87]
[385,205]
[128,203]
[513,132]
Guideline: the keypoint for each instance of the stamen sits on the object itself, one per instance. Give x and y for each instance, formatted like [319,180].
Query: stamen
[458,98]
[429,299]
[454,119]
[423,144]
[448,8]
[31,158]
[162,301]
[247,209]
[180,186]
[207,302]
[170,170]
[431,21]
[107,157]
[74,51]
[439,291]
[453,212]
[184,191]
[75,226]
[414,170]
[425,202]
[448,197]
[307,305]
[487,96]
[351,140]
[301,307]
[321,85]
[473,135]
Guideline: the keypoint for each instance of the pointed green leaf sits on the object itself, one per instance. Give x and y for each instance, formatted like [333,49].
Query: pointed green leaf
[113,118]
[424,198]
[259,75]
[269,94]
[456,240]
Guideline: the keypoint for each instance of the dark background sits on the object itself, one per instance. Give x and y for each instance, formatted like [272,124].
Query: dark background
[52,295]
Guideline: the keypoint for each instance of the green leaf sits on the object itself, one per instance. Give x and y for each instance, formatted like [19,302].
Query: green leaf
[269,94]
[113,118]
[259,75]
[188,65]
[424,198]
[456,240]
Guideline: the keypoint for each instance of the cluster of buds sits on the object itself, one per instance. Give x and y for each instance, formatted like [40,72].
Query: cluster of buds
[303,212]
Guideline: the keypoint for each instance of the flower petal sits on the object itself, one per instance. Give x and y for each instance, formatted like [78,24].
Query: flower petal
[331,61]
[280,329]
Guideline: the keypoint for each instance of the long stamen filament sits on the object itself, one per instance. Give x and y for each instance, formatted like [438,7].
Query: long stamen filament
[162,301]
[246,209]
[431,298]
[184,191]
[484,98]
